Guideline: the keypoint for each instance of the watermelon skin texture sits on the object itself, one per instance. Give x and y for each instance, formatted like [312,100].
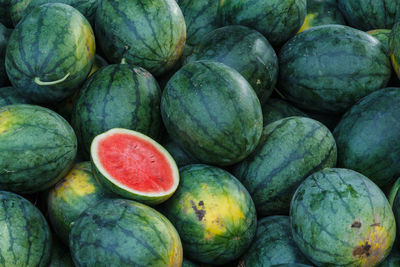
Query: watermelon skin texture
[394,48]
[35,50]
[383,36]
[277,20]
[117,96]
[25,236]
[330,75]
[37,148]
[10,96]
[341,218]
[76,192]
[147,33]
[213,214]
[368,136]
[275,109]
[273,244]
[369,14]
[122,232]
[258,65]
[212,112]
[290,150]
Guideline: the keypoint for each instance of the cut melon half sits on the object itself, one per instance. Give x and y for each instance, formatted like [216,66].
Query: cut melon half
[134,166]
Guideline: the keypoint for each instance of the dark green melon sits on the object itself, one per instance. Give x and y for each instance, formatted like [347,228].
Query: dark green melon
[290,150]
[368,136]
[383,36]
[117,96]
[273,244]
[76,192]
[20,8]
[211,111]
[370,14]
[37,148]
[331,74]
[147,33]
[341,218]
[4,36]
[48,58]
[245,50]
[25,234]
[10,96]
[322,12]
[277,20]
[123,232]
[213,214]
[60,256]
[275,109]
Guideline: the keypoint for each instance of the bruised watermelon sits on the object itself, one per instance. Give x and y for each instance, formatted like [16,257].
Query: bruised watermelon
[134,166]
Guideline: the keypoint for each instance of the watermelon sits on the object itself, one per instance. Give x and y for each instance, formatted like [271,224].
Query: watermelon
[147,33]
[37,148]
[290,150]
[393,191]
[277,20]
[330,75]
[213,214]
[383,36]
[394,48]
[43,66]
[370,14]
[20,8]
[273,244]
[122,232]
[322,12]
[134,166]
[76,192]
[4,36]
[212,112]
[60,256]
[341,218]
[275,109]
[25,234]
[10,96]
[245,50]
[368,136]
[117,95]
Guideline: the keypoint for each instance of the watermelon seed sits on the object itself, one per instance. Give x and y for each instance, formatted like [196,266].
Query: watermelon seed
[356,224]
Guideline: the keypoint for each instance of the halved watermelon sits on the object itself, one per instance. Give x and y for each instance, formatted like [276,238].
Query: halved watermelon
[134,166]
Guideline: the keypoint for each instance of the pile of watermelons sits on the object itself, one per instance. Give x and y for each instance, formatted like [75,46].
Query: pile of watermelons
[283,117]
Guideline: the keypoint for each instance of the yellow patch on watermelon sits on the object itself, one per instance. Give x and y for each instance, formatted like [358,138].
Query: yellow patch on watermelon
[306,24]
[395,64]
[6,121]
[374,247]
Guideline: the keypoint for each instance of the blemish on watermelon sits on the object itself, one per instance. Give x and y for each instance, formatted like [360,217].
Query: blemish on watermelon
[199,212]
[356,224]
[362,250]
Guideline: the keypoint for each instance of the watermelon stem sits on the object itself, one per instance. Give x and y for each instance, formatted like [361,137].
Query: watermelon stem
[123,61]
[39,82]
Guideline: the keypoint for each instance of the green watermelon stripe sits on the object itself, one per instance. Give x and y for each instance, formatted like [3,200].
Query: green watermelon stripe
[47,241]
[23,57]
[26,147]
[35,45]
[152,120]
[9,230]
[15,67]
[138,99]
[106,94]
[28,231]
[132,28]
[189,21]
[46,130]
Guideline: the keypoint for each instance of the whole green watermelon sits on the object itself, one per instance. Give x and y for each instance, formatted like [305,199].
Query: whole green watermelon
[333,73]
[277,20]
[122,232]
[368,136]
[37,148]
[47,59]
[341,218]
[211,111]
[245,50]
[25,234]
[147,33]
[117,96]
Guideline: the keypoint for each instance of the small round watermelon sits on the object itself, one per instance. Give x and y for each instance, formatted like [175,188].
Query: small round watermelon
[134,166]
[121,232]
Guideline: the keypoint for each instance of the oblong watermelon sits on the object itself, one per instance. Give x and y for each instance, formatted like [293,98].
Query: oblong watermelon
[48,58]
[147,33]
[117,96]
[277,20]
[213,214]
[122,232]
[76,192]
[331,74]
[290,150]
[37,148]
[134,166]
[368,136]
[25,234]
[211,111]
[273,244]
[341,218]
[245,50]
